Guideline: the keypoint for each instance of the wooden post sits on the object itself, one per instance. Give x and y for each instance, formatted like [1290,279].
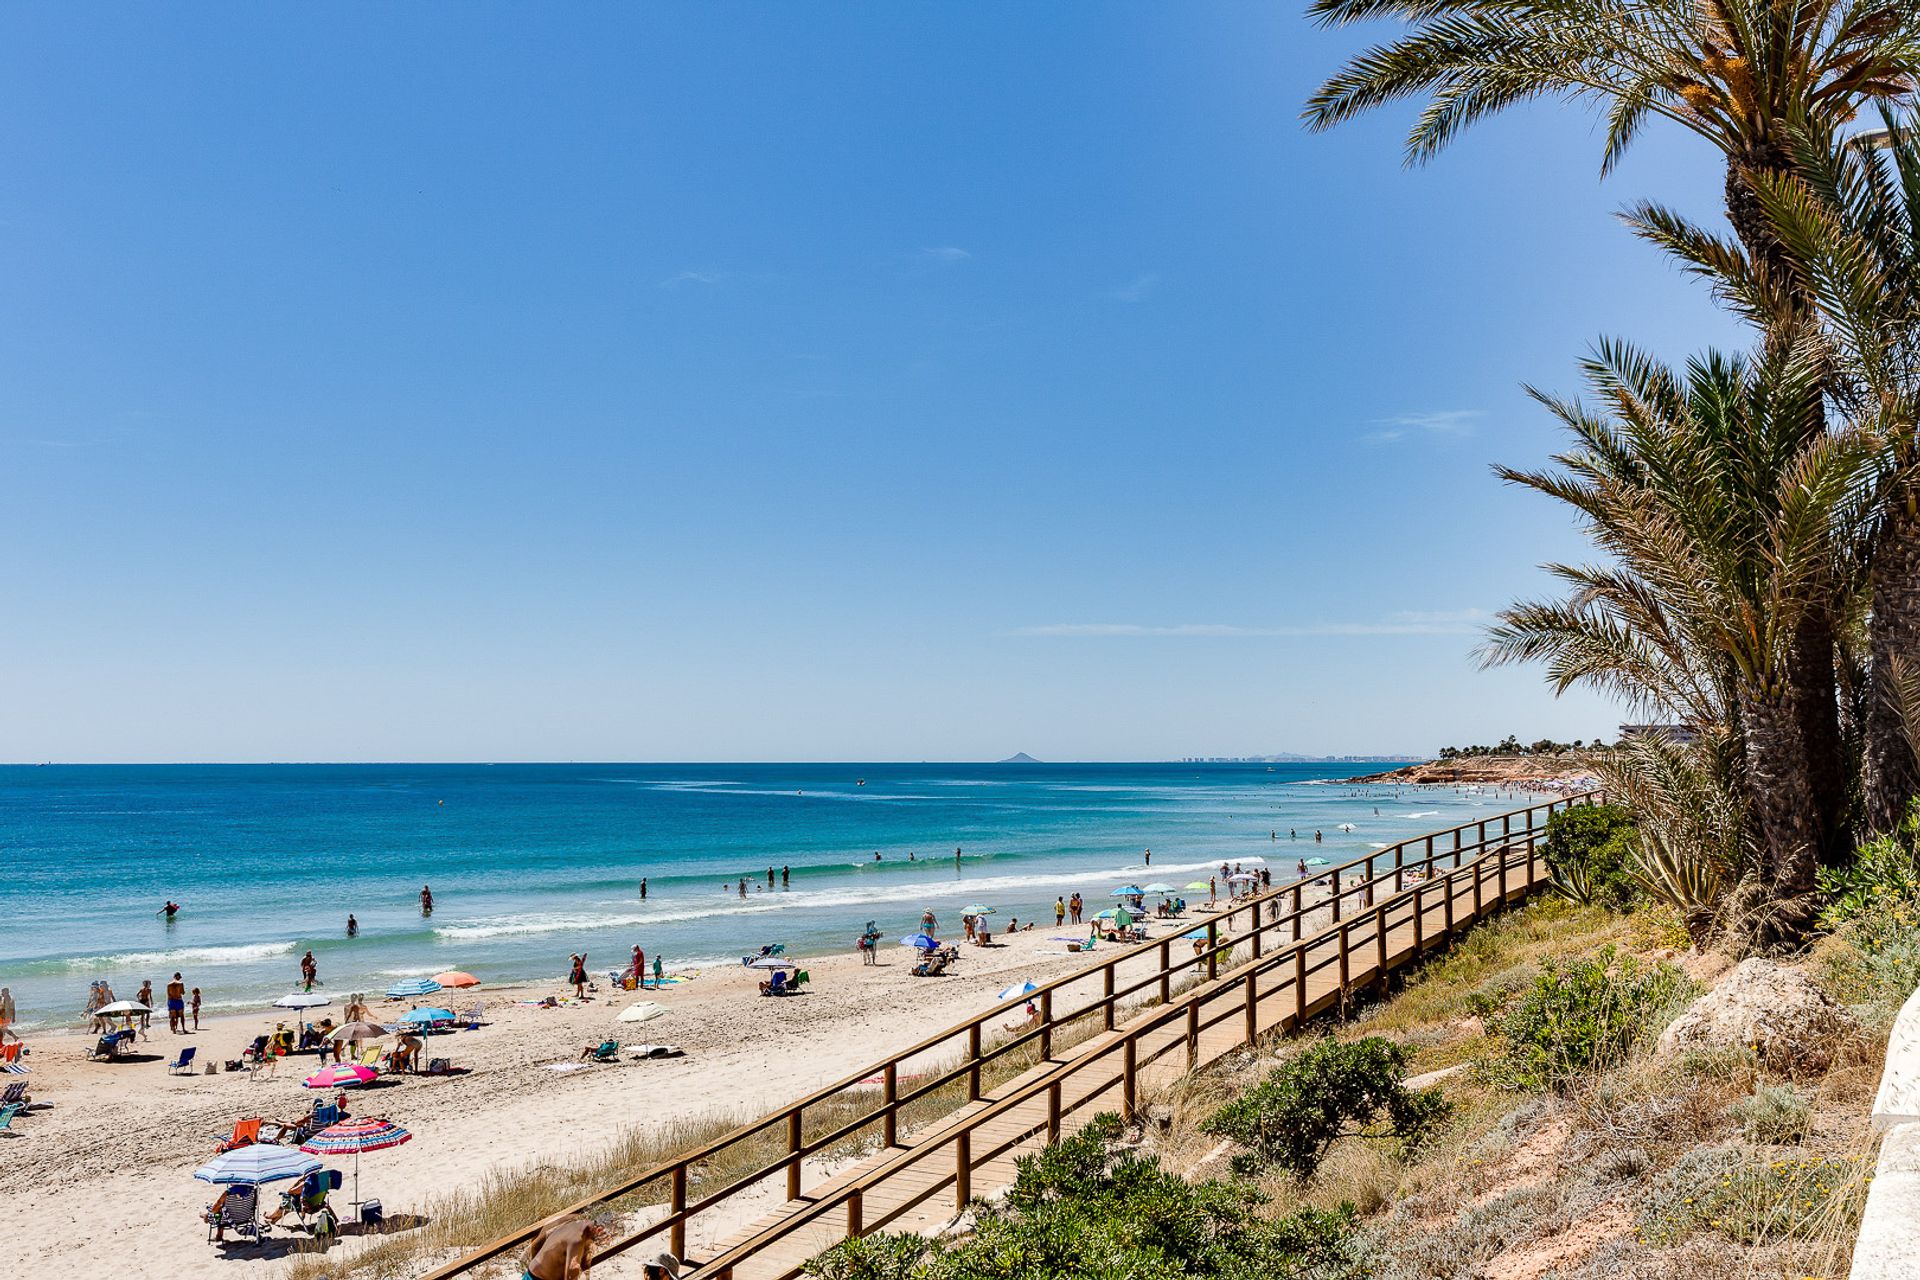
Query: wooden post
[1479,868]
[1107,974]
[1253,1009]
[1213,957]
[1483,835]
[973,1057]
[794,1144]
[1419,921]
[1053,1112]
[1346,964]
[1506,825]
[677,1205]
[1259,931]
[1336,895]
[1193,1035]
[1299,987]
[1128,1092]
[1046,1022]
[1430,851]
[1380,943]
[1456,842]
[1166,970]
[962,1168]
[1399,867]
[1446,892]
[889,1098]
[1503,879]
[855,1227]
[1296,911]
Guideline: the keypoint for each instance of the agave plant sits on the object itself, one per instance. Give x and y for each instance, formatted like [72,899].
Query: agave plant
[1692,841]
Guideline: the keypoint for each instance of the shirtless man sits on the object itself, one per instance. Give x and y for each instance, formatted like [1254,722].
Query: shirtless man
[176,1005]
[564,1250]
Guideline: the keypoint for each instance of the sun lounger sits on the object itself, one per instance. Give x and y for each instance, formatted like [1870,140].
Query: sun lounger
[184,1062]
[245,1133]
[239,1213]
[471,1018]
[15,1092]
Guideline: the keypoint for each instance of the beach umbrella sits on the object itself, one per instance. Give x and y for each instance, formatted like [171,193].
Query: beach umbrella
[121,1008]
[1018,991]
[1316,862]
[921,940]
[359,1031]
[301,1000]
[351,1137]
[1128,891]
[256,1163]
[427,1015]
[1243,875]
[344,1075]
[413,987]
[641,1012]
[770,962]
[976,910]
[1162,888]
[456,978]
[1199,884]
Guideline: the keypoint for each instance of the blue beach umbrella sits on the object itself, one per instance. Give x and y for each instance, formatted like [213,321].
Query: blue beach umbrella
[407,987]
[920,940]
[427,1015]
[1017,991]
[1128,891]
[256,1163]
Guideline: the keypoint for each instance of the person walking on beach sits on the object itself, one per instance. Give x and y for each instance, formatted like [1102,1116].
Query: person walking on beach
[426,900]
[1213,891]
[1075,906]
[639,968]
[196,1008]
[146,997]
[578,976]
[659,970]
[176,1005]
[1059,912]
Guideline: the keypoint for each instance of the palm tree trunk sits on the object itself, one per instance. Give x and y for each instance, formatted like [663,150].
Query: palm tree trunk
[1893,631]
[1778,790]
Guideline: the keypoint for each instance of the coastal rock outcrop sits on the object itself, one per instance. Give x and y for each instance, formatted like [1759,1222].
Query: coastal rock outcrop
[1773,1008]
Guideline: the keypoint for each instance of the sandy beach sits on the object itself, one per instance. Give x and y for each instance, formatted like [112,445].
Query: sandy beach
[111,1160]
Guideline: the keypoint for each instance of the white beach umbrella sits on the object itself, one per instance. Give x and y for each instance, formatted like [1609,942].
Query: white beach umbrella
[644,1011]
[120,1008]
[302,1000]
[1017,991]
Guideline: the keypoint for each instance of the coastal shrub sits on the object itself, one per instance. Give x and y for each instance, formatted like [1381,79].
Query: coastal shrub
[1873,907]
[1332,1091]
[1751,1199]
[1589,852]
[1882,870]
[1088,1207]
[1580,1017]
[1774,1114]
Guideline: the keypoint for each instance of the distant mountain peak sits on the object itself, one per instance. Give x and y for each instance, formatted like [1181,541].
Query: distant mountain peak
[1019,757]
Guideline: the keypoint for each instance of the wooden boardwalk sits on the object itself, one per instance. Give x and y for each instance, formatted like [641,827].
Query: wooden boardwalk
[1264,966]
[923,1182]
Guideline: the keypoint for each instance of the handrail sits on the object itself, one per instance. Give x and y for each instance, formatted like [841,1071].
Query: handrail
[977,1056]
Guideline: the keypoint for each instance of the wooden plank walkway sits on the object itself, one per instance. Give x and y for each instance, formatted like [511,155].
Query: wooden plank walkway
[921,1183]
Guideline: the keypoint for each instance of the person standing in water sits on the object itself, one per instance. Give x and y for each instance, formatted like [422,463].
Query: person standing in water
[171,910]
[643,888]
[743,886]
[786,875]
[309,969]
[1149,857]
[353,926]
[426,900]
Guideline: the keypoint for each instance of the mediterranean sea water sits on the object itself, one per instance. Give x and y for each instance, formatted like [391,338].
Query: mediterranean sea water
[529,863]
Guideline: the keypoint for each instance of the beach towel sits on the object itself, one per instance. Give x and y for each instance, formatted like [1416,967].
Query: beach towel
[565,1066]
[638,1052]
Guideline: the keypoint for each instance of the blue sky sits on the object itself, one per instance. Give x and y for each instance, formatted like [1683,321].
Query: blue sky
[775,382]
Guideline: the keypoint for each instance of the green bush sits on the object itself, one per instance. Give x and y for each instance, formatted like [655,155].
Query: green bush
[1589,851]
[1581,1017]
[1884,870]
[1331,1091]
[1086,1208]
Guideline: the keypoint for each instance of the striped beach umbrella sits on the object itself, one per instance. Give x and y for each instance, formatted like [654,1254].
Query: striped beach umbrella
[408,987]
[256,1163]
[342,1075]
[351,1137]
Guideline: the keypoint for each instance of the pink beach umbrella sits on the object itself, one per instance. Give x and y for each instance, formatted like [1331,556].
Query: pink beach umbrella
[345,1075]
[351,1137]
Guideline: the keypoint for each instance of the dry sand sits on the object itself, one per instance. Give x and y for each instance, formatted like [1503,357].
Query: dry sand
[107,1170]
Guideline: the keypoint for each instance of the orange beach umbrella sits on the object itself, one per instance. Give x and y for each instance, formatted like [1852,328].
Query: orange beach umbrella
[456,978]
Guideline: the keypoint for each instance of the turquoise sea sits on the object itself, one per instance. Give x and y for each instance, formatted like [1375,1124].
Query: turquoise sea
[529,863]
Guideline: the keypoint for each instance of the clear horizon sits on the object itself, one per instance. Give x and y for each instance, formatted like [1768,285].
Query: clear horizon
[739,383]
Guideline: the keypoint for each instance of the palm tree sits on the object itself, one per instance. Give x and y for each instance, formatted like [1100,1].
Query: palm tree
[1746,75]
[1720,516]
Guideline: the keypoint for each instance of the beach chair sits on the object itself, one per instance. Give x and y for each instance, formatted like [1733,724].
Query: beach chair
[239,1213]
[15,1092]
[471,1018]
[308,1203]
[184,1062]
[371,1058]
[609,1051]
[324,1114]
[245,1134]
[7,1113]
[108,1046]
[439,1066]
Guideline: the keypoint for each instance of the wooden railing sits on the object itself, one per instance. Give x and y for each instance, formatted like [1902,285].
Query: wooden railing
[1463,877]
